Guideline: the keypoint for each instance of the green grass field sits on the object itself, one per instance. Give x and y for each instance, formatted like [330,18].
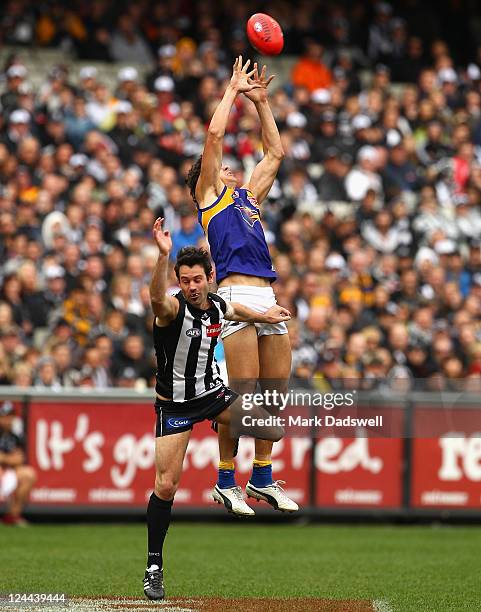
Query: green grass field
[414,569]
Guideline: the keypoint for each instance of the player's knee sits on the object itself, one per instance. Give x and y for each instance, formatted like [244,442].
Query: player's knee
[223,418]
[276,434]
[243,386]
[165,488]
[26,474]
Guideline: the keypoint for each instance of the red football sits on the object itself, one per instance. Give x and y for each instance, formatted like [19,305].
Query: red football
[265,34]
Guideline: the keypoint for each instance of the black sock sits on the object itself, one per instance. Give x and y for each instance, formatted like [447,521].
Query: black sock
[158,521]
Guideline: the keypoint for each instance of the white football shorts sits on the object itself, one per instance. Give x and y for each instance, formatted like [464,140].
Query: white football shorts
[259,299]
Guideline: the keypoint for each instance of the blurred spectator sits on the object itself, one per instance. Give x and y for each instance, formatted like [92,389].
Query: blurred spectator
[127,44]
[364,177]
[373,221]
[310,71]
[16,478]
[189,232]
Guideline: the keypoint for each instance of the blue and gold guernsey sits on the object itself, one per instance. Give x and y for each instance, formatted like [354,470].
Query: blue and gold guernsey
[234,231]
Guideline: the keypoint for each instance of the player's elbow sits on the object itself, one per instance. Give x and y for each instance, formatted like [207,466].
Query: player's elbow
[277,153]
[160,306]
[215,134]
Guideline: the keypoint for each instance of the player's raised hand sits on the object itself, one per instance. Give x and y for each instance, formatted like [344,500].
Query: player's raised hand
[277,314]
[241,79]
[259,93]
[162,237]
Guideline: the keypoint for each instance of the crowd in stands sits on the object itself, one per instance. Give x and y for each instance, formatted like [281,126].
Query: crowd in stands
[374,221]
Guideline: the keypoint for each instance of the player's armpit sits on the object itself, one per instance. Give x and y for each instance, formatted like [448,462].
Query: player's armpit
[165,310]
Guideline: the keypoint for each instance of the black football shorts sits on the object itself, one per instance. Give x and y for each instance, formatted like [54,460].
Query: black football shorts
[175,417]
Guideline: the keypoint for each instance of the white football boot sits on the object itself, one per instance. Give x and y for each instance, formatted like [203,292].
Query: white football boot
[274,495]
[233,500]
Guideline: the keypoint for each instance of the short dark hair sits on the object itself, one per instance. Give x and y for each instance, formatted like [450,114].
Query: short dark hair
[192,256]
[193,177]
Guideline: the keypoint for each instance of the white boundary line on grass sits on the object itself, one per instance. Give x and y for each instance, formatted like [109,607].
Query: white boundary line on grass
[112,605]
[382,605]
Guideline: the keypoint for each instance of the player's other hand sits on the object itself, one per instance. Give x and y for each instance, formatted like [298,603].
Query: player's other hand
[277,314]
[241,79]
[162,237]
[259,93]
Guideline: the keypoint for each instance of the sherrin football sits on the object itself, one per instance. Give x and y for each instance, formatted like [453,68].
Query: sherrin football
[265,34]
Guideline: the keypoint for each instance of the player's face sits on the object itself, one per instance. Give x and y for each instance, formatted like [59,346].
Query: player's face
[194,284]
[227,177]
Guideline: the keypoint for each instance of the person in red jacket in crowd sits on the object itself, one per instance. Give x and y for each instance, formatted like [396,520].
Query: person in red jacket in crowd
[310,71]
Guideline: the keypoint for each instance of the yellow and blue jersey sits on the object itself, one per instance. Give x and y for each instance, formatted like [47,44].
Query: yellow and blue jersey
[234,231]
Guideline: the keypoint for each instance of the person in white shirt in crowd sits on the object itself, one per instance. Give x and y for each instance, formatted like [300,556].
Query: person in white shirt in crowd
[364,176]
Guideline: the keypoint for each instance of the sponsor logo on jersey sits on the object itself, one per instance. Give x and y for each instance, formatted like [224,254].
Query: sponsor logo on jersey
[175,422]
[193,332]
[249,215]
[214,330]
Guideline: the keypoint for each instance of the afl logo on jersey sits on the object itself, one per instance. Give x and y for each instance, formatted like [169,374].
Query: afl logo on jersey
[193,333]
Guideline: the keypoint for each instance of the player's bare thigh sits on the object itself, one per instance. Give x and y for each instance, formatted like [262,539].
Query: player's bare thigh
[241,354]
[232,417]
[274,361]
[169,457]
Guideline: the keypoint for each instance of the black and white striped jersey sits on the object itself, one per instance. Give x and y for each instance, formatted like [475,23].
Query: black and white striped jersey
[186,366]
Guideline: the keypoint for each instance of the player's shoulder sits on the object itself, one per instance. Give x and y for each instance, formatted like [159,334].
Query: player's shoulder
[215,198]
[218,301]
[177,315]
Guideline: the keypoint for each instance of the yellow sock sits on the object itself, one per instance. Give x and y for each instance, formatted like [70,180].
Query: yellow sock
[258,463]
[226,465]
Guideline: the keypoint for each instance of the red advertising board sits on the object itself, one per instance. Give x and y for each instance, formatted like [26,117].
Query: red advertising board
[359,472]
[446,467]
[363,471]
[103,454]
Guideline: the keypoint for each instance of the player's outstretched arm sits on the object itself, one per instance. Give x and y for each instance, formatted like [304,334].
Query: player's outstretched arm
[209,185]
[239,312]
[164,306]
[266,170]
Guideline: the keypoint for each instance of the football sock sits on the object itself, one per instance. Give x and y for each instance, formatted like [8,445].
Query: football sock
[158,521]
[226,478]
[261,473]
